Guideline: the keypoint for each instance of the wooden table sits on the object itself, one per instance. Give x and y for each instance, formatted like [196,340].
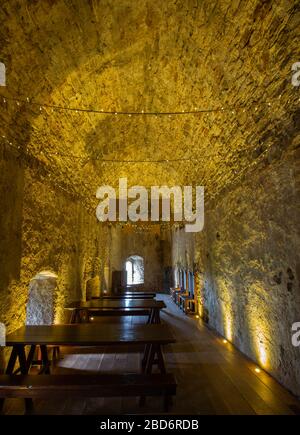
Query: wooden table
[152,337]
[127,295]
[119,307]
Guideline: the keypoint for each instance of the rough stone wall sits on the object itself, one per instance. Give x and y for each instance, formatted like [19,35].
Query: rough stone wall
[11,203]
[182,248]
[147,244]
[42,229]
[151,56]
[249,255]
[251,261]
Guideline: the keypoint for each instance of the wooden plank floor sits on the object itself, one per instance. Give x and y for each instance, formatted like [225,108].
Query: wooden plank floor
[213,377]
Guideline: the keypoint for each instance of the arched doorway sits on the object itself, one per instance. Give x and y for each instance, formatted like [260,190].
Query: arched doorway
[134,267]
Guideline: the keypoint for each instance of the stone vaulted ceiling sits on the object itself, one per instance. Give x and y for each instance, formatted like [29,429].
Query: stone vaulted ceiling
[149,56]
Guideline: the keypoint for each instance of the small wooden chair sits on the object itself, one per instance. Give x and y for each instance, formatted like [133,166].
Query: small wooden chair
[186,301]
[189,298]
[174,292]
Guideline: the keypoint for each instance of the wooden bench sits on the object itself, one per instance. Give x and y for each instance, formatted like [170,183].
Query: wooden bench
[97,385]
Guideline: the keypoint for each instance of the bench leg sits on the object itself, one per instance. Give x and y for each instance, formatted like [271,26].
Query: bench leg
[167,402]
[28,406]
[24,367]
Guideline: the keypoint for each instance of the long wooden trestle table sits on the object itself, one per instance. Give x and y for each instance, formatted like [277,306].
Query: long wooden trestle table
[126,295]
[119,307]
[151,337]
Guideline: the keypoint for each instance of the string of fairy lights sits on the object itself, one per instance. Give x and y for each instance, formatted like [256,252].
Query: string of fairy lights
[192,111]
[32,160]
[26,103]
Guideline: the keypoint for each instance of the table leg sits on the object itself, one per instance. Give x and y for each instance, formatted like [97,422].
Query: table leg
[145,357]
[45,360]
[150,359]
[150,317]
[148,367]
[9,369]
[157,316]
[73,317]
[82,316]
[12,361]
[22,359]
[24,367]
[160,360]
[30,357]
[155,356]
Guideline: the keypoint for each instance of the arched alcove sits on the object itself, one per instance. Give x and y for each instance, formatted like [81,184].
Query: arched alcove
[41,299]
[134,266]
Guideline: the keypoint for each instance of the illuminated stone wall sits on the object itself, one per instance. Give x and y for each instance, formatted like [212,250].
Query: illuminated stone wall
[252,265]
[43,229]
[249,254]
[146,243]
